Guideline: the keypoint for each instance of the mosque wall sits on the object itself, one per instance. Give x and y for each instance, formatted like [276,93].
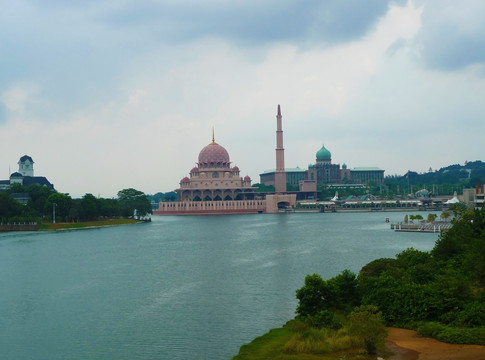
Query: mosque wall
[211,207]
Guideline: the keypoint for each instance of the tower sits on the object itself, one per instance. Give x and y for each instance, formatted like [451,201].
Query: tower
[280,175]
[26,166]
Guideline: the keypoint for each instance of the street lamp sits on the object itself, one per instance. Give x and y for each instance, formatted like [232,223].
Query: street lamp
[54,213]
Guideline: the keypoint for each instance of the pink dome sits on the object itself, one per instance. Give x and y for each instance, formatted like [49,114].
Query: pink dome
[185,179]
[194,170]
[213,153]
[235,168]
[247,178]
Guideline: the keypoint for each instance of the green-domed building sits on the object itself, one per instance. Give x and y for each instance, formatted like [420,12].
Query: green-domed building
[323,171]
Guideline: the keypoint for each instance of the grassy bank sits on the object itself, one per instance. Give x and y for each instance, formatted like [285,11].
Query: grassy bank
[87,224]
[297,341]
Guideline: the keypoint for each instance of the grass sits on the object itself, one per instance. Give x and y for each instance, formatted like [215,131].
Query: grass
[297,341]
[87,224]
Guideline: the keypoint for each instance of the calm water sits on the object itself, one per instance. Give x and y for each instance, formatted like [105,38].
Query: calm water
[177,288]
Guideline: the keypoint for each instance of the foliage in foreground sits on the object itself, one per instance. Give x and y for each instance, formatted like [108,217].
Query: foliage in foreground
[444,286]
[438,293]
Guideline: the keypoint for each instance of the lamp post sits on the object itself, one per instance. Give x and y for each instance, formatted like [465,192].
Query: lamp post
[54,213]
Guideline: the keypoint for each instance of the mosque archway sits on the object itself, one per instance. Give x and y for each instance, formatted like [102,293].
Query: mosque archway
[283,205]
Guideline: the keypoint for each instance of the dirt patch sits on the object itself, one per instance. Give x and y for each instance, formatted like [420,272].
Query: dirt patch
[407,345]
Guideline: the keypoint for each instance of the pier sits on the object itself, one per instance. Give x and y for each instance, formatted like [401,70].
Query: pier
[422,227]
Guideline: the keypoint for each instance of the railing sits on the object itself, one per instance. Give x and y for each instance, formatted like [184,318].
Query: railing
[424,227]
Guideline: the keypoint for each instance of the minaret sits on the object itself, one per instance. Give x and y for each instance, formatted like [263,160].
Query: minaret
[280,175]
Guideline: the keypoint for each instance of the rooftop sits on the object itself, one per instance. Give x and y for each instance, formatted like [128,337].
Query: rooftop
[370,168]
[297,169]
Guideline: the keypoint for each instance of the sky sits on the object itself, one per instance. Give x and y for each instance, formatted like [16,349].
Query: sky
[108,95]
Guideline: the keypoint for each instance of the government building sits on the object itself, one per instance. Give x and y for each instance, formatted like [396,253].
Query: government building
[25,175]
[325,173]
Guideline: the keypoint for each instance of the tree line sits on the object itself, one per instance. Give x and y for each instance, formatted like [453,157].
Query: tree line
[44,202]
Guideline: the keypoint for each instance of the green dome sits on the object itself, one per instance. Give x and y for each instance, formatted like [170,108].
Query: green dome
[344,166]
[323,154]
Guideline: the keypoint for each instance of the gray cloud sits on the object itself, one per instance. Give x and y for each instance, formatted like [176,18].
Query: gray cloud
[452,35]
[77,52]
[254,22]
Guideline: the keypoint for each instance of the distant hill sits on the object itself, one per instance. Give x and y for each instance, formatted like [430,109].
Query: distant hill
[448,178]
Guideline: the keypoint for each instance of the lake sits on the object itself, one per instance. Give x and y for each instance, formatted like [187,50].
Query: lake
[194,287]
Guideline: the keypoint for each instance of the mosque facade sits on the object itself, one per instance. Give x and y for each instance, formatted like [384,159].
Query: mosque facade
[214,179]
[214,186]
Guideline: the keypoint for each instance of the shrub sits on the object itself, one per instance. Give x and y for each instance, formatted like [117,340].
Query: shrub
[472,315]
[366,323]
[455,335]
[452,334]
[325,319]
[431,329]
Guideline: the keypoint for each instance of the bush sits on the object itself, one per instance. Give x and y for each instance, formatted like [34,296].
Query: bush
[452,334]
[455,335]
[472,315]
[337,293]
[430,329]
[324,319]
[366,323]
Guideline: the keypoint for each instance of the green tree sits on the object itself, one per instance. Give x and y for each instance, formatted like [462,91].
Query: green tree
[62,205]
[131,200]
[339,293]
[312,297]
[9,207]
[38,196]
[88,207]
[108,207]
[445,215]
[344,292]
[366,323]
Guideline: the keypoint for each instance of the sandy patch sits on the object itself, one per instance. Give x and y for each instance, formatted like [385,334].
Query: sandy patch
[407,345]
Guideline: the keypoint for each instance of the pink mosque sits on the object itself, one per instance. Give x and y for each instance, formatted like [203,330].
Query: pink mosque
[216,187]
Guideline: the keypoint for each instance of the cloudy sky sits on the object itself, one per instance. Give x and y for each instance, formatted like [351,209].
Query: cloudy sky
[106,95]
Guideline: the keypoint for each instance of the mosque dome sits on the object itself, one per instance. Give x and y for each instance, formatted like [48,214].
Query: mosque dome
[247,178]
[344,166]
[185,179]
[323,154]
[235,168]
[213,153]
[195,169]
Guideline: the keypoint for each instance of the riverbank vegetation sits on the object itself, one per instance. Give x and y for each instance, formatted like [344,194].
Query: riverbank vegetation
[438,293]
[87,224]
[41,204]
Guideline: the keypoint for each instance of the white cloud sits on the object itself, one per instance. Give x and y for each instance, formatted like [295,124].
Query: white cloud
[17,96]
